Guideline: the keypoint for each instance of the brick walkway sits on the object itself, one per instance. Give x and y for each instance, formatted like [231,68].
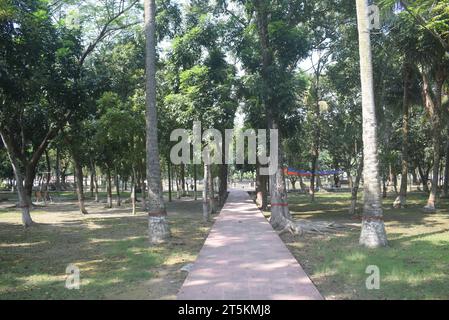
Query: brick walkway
[244,259]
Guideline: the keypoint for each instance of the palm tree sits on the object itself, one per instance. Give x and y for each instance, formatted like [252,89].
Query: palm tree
[206,211]
[157,222]
[373,230]
[401,200]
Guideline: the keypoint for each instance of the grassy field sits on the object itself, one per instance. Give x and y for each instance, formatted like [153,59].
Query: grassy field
[109,246]
[116,262]
[415,265]
[6,196]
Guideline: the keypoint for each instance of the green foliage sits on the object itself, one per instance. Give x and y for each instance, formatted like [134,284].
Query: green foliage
[5,166]
[118,130]
[200,79]
[429,15]
[39,83]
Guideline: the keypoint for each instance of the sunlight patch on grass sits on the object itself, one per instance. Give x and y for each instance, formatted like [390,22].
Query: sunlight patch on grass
[109,246]
[22,244]
[413,266]
[180,258]
[356,257]
[41,279]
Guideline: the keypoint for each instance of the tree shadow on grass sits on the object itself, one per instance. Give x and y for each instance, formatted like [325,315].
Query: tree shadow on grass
[414,266]
[112,253]
[331,207]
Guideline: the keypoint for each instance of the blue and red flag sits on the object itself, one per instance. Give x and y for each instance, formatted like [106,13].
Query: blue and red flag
[305,173]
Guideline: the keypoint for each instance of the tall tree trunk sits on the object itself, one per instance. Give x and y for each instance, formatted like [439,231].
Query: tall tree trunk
[293,182]
[280,214]
[183,180]
[302,185]
[414,177]
[195,196]
[79,184]
[117,189]
[432,200]
[91,184]
[178,185]
[281,218]
[258,187]
[97,198]
[91,187]
[58,170]
[30,174]
[223,187]
[261,190]
[350,180]
[434,110]
[64,179]
[394,178]
[143,190]
[169,181]
[373,230]
[314,180]
[336,175]
[424,175]
[74,180]
[133,191]
[24,170]
[401,200]
[206,211]
[137,183]
[94,179]
[315,155]
[25,205]
[24,193]
[24,201]
[446,172]
[157,214]
[48,178]
[355,189]
[212,203]
[109,187]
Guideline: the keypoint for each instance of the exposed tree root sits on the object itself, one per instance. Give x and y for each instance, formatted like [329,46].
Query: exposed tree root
[429,209]
[399,203]
[321,227]
[301,227]
[129,200]
[291,227]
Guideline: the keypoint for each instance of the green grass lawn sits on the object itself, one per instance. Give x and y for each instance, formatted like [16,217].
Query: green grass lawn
[71,195]
[109,246]
[415,265]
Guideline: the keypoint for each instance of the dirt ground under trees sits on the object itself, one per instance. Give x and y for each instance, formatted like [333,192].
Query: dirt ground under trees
[109,246]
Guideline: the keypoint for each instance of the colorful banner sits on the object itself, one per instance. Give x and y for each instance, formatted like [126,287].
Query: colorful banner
[304,173]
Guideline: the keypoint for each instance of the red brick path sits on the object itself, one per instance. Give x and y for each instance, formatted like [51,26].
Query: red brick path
[244,259]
